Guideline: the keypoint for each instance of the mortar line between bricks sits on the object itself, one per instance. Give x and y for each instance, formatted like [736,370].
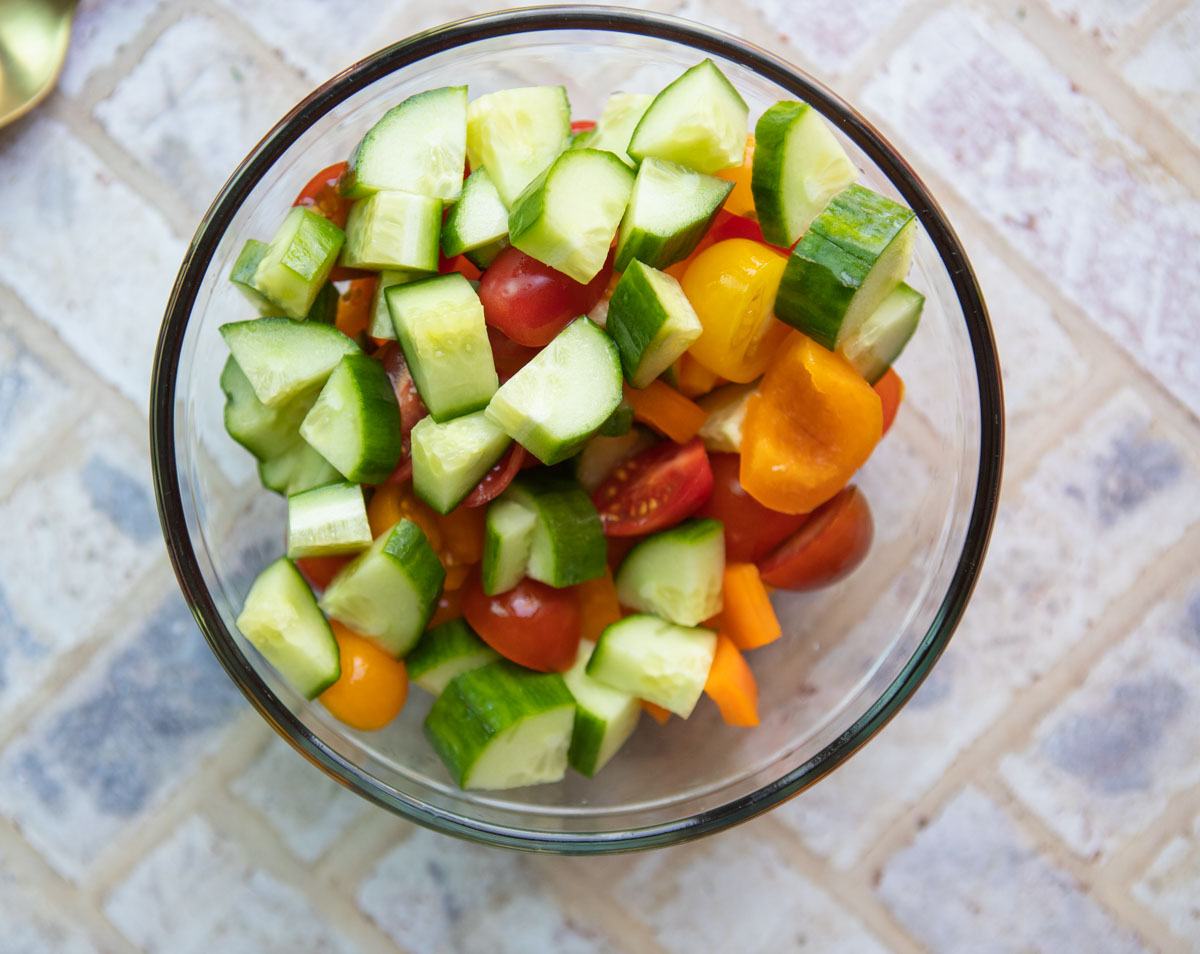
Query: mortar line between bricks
[1014,730]
[879,49]
[1141,30]
[1130,861]
[1141,120]
[263,845]
[1114,899]
[361,846]
[51,886]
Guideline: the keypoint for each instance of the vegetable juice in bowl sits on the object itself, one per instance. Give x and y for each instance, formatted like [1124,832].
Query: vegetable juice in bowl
[554,530]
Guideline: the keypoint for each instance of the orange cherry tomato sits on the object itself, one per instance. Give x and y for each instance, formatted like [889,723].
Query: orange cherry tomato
[372,687]
[828,547]
[319,571]
[890,389]
[322,195]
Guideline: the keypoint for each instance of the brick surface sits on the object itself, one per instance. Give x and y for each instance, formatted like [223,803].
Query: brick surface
[1105,21]
[970,883]
[198,892]
[33,922]
[61,206]
[1171,885]
[101,29]
[1166,70]
[33,399]
[1053,173]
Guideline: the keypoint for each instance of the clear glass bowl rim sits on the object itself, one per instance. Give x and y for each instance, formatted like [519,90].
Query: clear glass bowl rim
[533,20]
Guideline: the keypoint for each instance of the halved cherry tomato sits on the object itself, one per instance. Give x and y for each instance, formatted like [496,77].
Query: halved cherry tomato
[449,607]
[890,389]
[531,302]
[582,125]
[372,688]
[618,549]
[320,570]
[532,624]
[509,356]
[499,477]
[461,264]
[751,530]
[412,408]
[828,547]
[655,489]
[322,196]
[729,226]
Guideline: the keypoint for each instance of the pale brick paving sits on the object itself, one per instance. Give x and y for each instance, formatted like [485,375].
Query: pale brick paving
[181,90]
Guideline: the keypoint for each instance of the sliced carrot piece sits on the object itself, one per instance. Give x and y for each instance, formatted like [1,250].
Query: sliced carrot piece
[666,410]
[660,714]
[747,617]
[354,307]
[598,606]
[731,685]
[890,389]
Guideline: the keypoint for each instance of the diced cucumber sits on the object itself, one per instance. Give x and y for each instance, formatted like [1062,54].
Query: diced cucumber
[655,660]
[242,275]
[483,256]
[616,124]
[676,574]
[670,209]
[282,358]
[798,167]
[264,431]
[389,592]
[445,651]
[439,322]
[568,215]
[604,717]
[419,146]
[297,469]
[324,306]
[507,540]
[601,455]
[381,319]
[851,258]
[568,545]
[874,345]
[393,230]
[297,261]
[699,121]
[450,458]
[651,321]
[618,422]
[479,219]
[515,133]
[560,398]
[726,408]
[327,521]
[281,620]
[355,423]
[503,726]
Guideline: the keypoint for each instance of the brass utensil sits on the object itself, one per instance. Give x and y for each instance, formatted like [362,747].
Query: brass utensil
[33,45]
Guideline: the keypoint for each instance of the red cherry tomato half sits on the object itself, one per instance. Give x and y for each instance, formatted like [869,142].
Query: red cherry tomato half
[655,489]
[751,530]
[412,408]
[828,547]
[320,570]
[531,302]
[532,624]
[509,356]
[460,264]
[322,195]
[582,125]
[727,226]
[499,477]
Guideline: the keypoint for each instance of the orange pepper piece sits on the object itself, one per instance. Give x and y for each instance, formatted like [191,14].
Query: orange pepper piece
[693,377]
[890,389]
[731,685]
[598,606]
[741,199]
[392,503]
[354,307]
[813,422]
[666,410]
[660,714]
[747,618]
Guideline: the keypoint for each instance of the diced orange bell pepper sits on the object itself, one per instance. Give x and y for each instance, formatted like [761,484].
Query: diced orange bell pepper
[354,307]
[660,714]
[694,379]
[731,685]
[598,606]
[741,199]
[890,389]
[394,502]
[813,422]
[666,410]
[747,617]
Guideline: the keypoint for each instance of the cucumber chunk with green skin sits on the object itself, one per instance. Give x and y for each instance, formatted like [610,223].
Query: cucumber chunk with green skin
[297,261]
[507,541]
[561,398]
[483,256]
[850,259]
[355,422]
[798,167]
[601,455]
[503,726]
[242,275]
[568,545]
[389,592]
[282,358]
[419,146]
[670,209]
[380,325]
[444,652]
[676,574]
[440,325]
[265,431]
[297,469]
[515,133]
[604,717]
[699,121]
[327,521]
[393,230]
[478,219]
[874,345]
[450,458]
[721,431]
[281,620]
[567,216]
[618,422]
[622,112]
[655,660]
[324,306]
[651,321]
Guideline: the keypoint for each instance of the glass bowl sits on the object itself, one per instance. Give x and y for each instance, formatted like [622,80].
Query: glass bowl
[851,655]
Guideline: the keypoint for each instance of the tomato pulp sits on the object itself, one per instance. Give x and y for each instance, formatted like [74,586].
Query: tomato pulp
[751,530]
[655,489]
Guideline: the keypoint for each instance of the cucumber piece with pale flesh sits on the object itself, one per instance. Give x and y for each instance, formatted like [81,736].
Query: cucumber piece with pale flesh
[327,521]
[877,342]
[568,544]
[721,431]
[443,652]
[479,219]
[393,230]
[515,133]
[283,358]
[620,116]
[651,321]
[677,573]
[297,261]
[507,541]
[450,458]
[604,717]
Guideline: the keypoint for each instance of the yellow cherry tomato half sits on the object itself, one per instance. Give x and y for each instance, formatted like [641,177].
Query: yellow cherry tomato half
[732,286]
[372,687]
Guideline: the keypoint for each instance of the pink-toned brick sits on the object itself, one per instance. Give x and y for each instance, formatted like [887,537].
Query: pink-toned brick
[1050,169]
[1103,20]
